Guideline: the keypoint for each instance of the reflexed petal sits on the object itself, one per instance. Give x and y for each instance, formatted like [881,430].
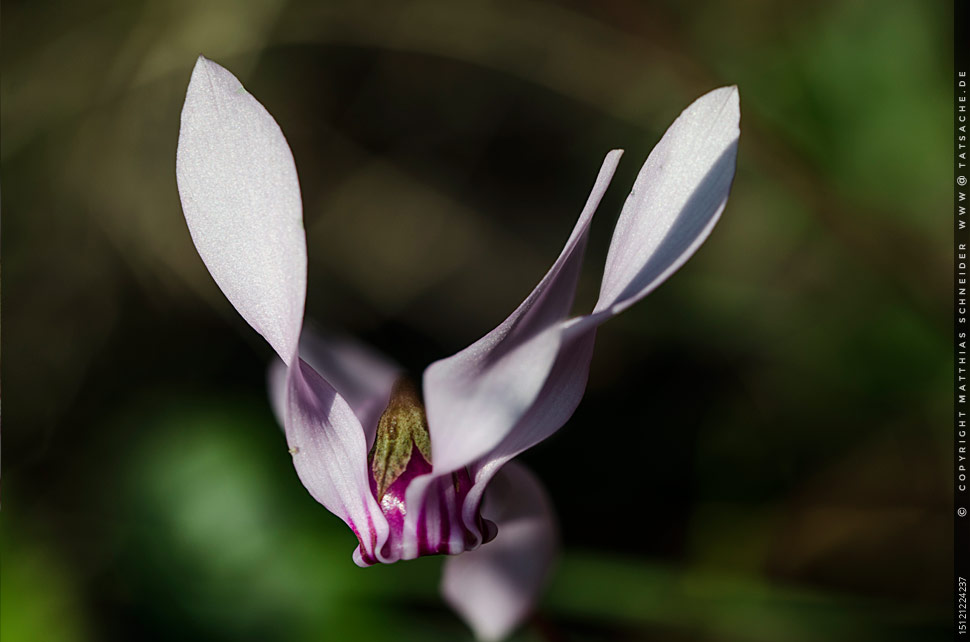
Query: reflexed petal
[330,456]
[555,404]
[712,121]
[676,200]
[361,375]
[476,396]
[496,586]
[512,402]
[241,200]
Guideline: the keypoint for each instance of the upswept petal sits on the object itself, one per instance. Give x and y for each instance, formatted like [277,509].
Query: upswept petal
[476,396]
[496,586]
[676,200]
[330,456]
[361,375]
[555,404]
[675,203]
[241,200]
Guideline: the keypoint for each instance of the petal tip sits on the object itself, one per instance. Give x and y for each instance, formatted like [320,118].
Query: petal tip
[728,94]
[676,199]
[241,199]
[731,97]
[203,64]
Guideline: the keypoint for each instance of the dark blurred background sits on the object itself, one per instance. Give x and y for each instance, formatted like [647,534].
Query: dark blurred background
[771,427]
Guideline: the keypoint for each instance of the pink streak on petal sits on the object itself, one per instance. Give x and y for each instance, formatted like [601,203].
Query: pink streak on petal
[476,396]
[330,455]
[496,586]
[676,200]
[241,199]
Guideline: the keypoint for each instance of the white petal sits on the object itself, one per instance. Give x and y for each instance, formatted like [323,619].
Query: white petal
[476,396]
[554,405]
[330,456]
[676,200]
[241,200]
[361,375]
[496,586]
[696,156]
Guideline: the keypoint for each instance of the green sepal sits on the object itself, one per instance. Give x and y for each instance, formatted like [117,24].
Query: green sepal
[401,428]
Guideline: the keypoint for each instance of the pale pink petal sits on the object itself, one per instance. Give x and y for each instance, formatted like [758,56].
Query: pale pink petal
[676,200]
[241,200]
[476,401]
[330,456]
[496,586]
[701,147]
[476,396]
[361,375]
[555,404]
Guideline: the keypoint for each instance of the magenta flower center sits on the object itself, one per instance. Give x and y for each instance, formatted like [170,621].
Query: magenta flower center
[401,454]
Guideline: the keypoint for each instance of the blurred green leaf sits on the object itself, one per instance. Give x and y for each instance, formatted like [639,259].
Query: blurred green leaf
[40,600]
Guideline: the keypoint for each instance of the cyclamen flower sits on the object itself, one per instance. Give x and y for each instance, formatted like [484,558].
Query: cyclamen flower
[409,479]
